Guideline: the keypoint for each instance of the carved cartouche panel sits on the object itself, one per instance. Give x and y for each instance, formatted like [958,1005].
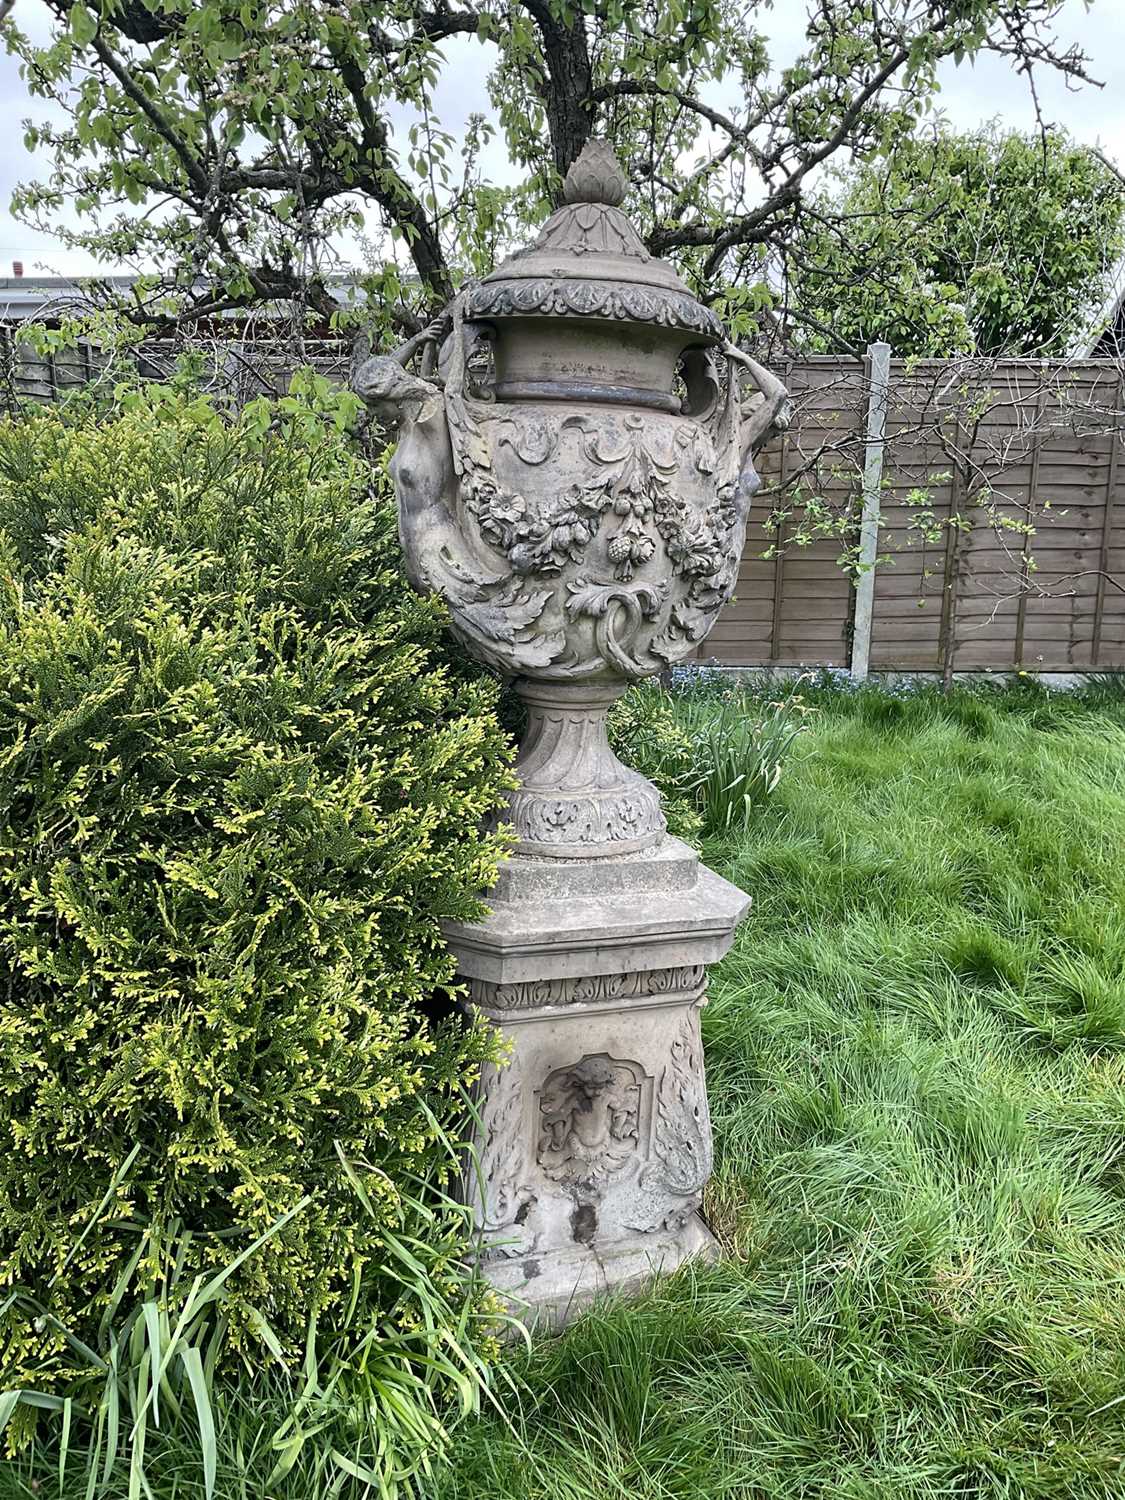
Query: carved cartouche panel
[591,1121]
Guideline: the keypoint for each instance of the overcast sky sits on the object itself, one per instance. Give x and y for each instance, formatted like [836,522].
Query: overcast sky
[970,95]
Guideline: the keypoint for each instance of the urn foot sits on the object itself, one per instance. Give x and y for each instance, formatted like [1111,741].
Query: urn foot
[575,798]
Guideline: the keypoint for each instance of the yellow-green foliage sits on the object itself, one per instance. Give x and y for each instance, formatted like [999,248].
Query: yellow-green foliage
[238,787]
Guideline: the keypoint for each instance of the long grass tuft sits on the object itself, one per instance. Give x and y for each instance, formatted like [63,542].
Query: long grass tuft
[367,1407]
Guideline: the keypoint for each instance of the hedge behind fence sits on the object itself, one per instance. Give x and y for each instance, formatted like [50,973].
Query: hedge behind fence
[237,789]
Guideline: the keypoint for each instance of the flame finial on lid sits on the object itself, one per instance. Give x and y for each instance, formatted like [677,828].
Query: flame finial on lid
[595,176]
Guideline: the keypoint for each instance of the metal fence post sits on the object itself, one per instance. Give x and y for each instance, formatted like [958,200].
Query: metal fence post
[878,376]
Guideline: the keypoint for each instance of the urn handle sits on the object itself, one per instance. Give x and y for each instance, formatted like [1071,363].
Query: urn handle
[766,415]
[701,380]
[465,340]
[425,466]
[387,386]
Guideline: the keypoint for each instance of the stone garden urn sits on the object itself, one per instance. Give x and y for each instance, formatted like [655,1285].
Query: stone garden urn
[573,472]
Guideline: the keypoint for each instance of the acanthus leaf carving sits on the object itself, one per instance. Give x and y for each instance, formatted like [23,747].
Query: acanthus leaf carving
[575,297]
[497,1188]
[591,989]
[576,821]
[682,1131]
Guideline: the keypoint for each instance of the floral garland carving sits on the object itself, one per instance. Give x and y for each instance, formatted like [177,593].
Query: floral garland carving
[633,485]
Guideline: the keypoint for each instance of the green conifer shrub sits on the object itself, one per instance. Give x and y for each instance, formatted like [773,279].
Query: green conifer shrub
[239,785]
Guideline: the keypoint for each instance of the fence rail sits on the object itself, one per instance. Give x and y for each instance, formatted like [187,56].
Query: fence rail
[937,516]
[990,532]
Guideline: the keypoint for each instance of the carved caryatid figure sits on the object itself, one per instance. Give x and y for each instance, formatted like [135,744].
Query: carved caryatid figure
[574,469]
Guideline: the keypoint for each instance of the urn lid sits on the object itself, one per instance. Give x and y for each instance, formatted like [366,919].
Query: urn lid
[590,262]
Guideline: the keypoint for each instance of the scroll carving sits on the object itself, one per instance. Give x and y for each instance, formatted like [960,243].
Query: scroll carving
[682,1131]
[637,491]
[589,989]
[578,500]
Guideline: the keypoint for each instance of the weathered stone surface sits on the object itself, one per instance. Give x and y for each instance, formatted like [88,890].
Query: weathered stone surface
[575,798]
[573,470]
[597,1135]
[667,866]
[574,481]
[549,1290]
[575,931]
[595,1140]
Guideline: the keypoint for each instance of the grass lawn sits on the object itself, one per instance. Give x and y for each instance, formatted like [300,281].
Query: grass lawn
[917,1072]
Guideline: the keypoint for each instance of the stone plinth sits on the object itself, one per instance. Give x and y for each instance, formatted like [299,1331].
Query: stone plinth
[595,1140]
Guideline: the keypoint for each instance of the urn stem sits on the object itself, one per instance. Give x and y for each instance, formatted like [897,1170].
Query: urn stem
[575,799]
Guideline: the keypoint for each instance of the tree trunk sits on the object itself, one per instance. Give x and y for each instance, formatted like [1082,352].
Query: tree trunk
[566,87]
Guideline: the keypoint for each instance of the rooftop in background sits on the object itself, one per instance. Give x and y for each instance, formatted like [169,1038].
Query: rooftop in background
[1106,338]
[23,299]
